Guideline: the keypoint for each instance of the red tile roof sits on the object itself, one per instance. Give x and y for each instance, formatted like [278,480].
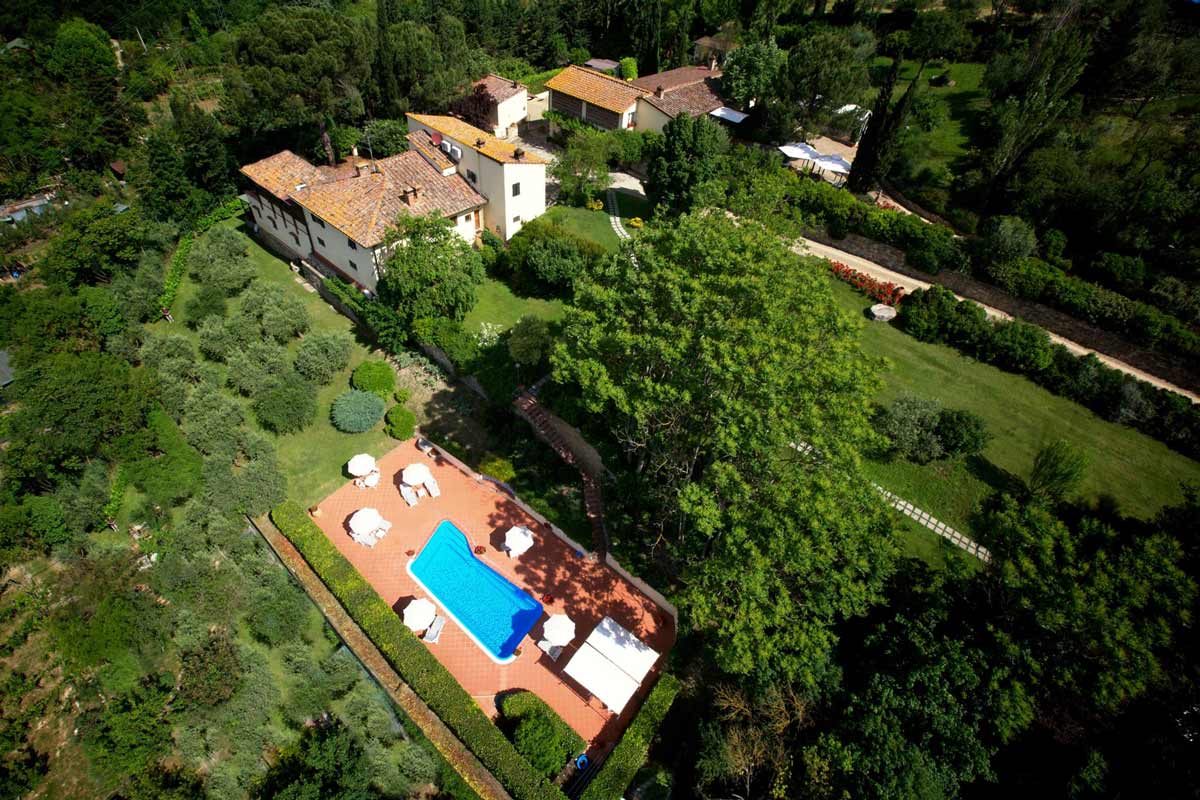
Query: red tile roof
[422,142]
[596,88]
[500,88]
[365,204]
[283,174]
[481,141]
[695,99]
[675,78]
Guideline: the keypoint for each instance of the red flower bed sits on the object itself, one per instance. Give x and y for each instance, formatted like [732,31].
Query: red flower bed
[879,291]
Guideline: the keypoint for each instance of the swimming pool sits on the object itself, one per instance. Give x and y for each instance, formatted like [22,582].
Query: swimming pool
[495,614]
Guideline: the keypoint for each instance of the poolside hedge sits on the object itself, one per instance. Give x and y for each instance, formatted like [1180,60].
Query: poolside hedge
[412,660]
[630,753]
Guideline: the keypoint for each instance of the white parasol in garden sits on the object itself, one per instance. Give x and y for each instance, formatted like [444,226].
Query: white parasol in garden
[559,630]
[361,465]
[366,521]
[416,474]
[419,614]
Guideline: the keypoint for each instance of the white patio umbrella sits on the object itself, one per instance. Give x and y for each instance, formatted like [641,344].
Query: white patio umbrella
[365,521]
[559,630]
[799,150]
[835,164]
[416,474]
[361,465]
[518,539]
[419,614]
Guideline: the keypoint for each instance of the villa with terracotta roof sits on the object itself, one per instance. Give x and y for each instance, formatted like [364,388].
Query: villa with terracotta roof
[598,99]
[339,215]
[511,178]
[496,104]
[686,90]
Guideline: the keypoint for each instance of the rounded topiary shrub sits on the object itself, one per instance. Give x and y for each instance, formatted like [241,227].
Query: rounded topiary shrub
[400,422]
[376,377]
[288,406]
[356,411]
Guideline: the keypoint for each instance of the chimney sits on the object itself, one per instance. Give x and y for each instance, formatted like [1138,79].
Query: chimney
[658,91]
[712,63]
[519,153]
[480,142]
[354,151]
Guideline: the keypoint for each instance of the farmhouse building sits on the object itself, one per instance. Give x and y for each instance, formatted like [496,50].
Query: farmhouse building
[598,99]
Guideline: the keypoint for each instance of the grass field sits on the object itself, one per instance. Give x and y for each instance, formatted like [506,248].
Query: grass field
[592,225]
[312,459]
[1140,473]
[936,151]
[498,304]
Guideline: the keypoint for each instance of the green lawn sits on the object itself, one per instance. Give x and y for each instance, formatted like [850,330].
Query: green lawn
[1141,473]
[496,303]
[312,459]
[938,150]
[592,225]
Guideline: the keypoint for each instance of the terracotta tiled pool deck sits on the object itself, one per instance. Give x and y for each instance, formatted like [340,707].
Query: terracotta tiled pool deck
[585,589]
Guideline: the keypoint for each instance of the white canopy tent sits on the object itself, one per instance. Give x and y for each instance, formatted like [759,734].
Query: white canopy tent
[416,474]
[559,630]
[517,540]
[361,465]
[728,114]
[601,677]
[419,614]
[366,521]
[624,649]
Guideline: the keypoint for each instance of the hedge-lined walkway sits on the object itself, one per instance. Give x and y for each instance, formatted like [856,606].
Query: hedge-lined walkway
[451,748]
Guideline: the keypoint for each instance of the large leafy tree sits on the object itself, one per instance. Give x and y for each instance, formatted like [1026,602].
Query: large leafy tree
[425,66]
[432,271]
[751,71]
[824,72]
[687,157]
[296,71]
[710,349]
[325,763]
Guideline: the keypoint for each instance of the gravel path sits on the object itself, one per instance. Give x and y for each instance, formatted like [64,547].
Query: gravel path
[910,284]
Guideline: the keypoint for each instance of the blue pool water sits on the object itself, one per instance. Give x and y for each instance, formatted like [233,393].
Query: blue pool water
[494,612]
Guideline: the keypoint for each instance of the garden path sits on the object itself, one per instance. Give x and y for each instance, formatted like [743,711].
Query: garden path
[875,270]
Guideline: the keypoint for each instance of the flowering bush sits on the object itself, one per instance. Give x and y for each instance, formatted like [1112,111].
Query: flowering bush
[595,205]
[879,291]
[636,222]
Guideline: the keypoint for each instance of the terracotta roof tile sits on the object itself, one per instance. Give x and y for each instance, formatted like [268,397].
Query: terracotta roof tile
[696,99]
[282,174]
[423,144]
[596,88]
[366,203]
[481,141]
[500,88]
[675,78]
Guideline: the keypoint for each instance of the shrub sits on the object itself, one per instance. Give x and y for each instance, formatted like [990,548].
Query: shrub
[614,777]
[208,302]
[209,674]
[911,426]
[539,734]
[449,336]
[962,433]
[1020,347]
[322,355]
[355,411]
[628,67]
[376,377]
[421,670]
[498,467]
[1007,239]
[401,395]
[401,423]
[529,341]
[288,406]
[1057,470]
[546,255]
[1126,272]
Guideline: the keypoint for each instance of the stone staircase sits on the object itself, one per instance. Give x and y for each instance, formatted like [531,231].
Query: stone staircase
[526,404]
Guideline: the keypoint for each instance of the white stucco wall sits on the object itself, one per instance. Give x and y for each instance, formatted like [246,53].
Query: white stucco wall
[354,260]
[509,113]
[494,181]
[271,217]
[650,118]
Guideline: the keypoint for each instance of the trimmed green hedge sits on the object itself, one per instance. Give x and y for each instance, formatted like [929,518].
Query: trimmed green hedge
[227,210]
[416,665]
[630,753]
[519,704]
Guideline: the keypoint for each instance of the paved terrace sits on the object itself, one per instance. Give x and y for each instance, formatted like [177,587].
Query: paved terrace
[584,589]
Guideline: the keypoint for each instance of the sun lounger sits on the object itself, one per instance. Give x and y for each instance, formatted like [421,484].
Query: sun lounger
[551,650]
[435,630]
[408,494]
[434,489]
